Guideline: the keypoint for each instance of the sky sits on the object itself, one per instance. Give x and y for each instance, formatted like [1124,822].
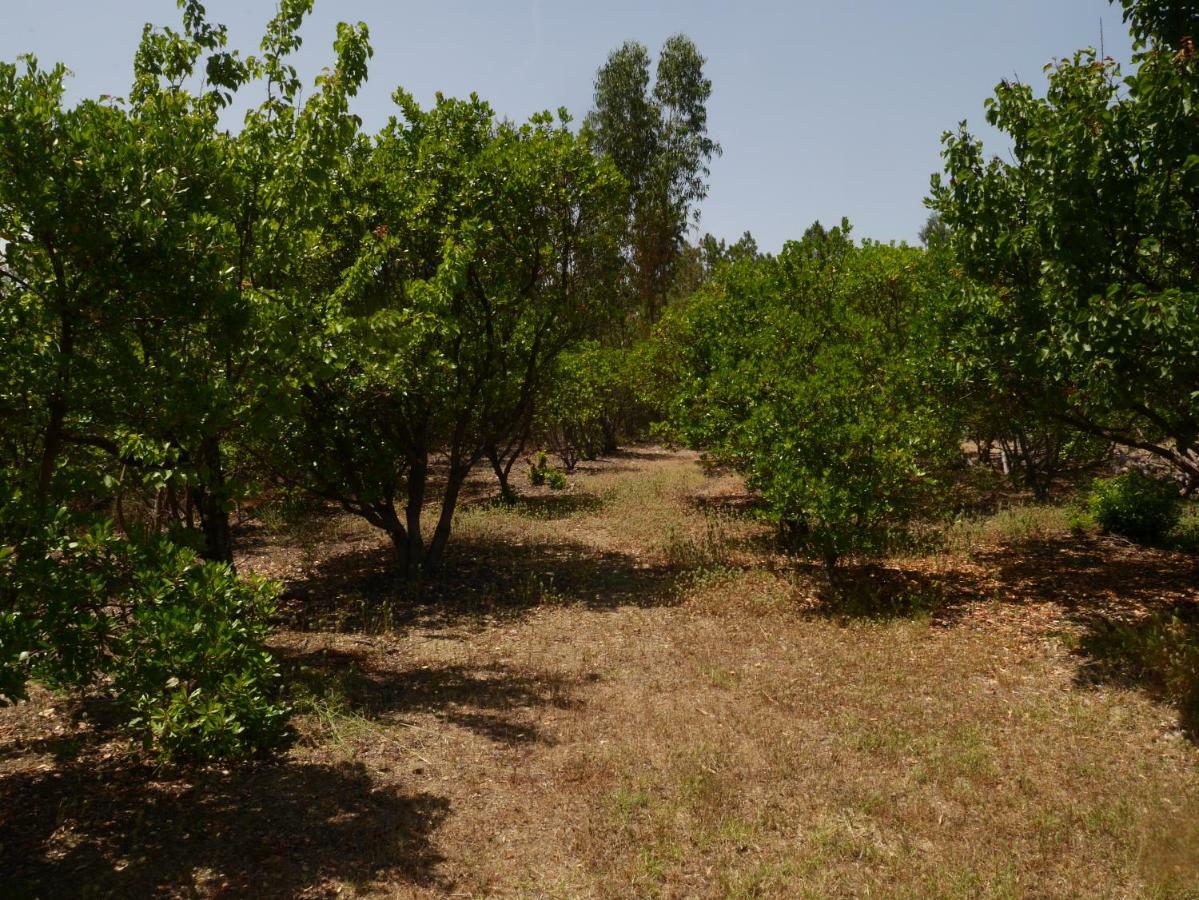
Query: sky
[824,109]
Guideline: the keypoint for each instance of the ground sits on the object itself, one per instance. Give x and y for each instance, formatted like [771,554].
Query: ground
[623,690]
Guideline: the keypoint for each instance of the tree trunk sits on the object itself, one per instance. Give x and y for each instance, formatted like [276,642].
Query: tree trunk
[441,534]
[57,412]
[610,443]
[414,548]
[212,497]
[502,470]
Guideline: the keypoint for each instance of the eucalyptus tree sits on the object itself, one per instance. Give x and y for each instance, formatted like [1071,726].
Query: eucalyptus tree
[463,255]
[658,139]
[1084,246]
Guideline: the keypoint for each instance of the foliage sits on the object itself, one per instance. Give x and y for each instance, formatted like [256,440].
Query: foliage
[808,372]
[593,400]
[538,468]
[1135,505]
[176,642]
[464,254]
[127,371]
[658,139]
[1084,307]
[146,255]
[191,665]
[1167,22]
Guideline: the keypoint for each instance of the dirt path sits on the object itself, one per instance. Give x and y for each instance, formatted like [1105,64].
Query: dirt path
[621,692]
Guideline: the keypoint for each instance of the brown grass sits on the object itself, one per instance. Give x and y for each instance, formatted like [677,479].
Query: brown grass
[619,691]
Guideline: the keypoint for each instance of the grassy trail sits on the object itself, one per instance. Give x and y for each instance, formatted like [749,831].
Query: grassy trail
[621,691]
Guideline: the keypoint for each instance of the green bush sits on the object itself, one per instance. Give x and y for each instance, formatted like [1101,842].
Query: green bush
[191,666]
[541,472]
[177,643]
[538,469]
[808,373]
[1135,505]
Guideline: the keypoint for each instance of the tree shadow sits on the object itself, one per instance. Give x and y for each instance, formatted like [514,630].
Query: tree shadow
[881,593]
[257,830]
[1157,653]
[1129,614]
[635,453]
[552,507]
[495,701]
[740,505]
[1135,611]
[482,581]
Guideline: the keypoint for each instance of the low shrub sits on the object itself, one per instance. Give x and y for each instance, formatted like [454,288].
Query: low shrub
[177,643]
[191,666]
[541,472]
[1136,506]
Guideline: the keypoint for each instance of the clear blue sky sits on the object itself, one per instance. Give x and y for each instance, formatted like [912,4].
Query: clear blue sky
[824,109]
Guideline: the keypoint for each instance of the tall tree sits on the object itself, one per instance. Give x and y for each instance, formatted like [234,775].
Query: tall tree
[658,138]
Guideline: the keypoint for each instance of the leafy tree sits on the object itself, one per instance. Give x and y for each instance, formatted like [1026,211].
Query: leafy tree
[146,254]
[136,373]
[593,400]
[465,254]
[658,139]
[810,373]
[1168,22]
[1084,246]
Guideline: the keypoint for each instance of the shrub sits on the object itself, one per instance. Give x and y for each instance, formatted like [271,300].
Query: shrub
[177,643]
[541,472]
[191,666]
[808,372]
[1135,505]
[538,468]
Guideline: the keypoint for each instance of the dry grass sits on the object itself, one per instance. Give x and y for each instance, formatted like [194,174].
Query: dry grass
[620,692]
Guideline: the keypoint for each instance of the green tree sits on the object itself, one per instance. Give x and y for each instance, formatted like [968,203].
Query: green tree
[810,372]
[464,255]
[146,257]
[1083,248]
[658,139]
[135,371]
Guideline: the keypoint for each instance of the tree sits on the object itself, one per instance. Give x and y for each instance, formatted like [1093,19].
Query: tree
[145,253]
[147,248]
[1166,22]
[934,233]
[1084,247]
[464,255]
[809,372]
[658,139]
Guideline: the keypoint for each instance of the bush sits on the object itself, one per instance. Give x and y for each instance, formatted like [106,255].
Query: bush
[1135,505]
[191,666]
[808,373]
[177,643]
[541,472]
[538,468]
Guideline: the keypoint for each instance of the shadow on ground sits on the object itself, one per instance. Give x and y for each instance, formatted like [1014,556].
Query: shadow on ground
[482,581]
[498,702]
[1129,614]
[260,830]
